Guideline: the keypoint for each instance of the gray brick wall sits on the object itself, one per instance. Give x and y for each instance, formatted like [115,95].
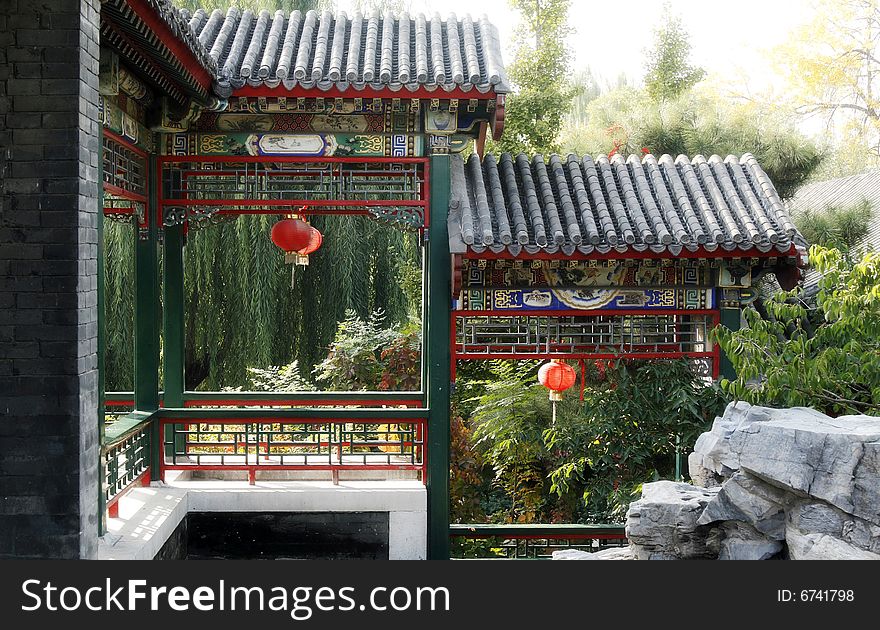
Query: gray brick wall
[49,138]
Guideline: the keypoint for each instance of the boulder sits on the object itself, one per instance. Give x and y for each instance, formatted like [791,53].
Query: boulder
[747,499]
[612,553]
[662,525]
[809,454]
[712,460]
[816,517]
[739,541]
[803,546]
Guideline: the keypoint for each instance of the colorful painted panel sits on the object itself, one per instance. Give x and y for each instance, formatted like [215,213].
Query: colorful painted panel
[123,117]
[287,144]
[554,273]
[586,299]
[290,122]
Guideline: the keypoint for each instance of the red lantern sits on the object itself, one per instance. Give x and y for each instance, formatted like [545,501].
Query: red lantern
[292,235]
[315,241]
[557,377]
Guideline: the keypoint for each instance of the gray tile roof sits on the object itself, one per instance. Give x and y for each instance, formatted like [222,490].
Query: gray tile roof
[843,192]
[122,29]
[586,205]
[326,50]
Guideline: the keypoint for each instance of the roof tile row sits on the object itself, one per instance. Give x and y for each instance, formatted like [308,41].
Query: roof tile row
[325,50]
[585,204]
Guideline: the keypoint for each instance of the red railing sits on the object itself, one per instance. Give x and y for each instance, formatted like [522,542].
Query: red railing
[205,442]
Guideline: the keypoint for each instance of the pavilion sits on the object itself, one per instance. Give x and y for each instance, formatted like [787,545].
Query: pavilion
[169,121]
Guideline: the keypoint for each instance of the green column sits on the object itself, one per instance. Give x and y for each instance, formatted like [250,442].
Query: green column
[437,309]
[146,311]
[730,318]
[172,315]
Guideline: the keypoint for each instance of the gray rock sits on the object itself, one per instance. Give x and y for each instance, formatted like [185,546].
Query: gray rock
[701,476]
[662,525]
[803,546]
[805,452]
[748,499]
[613,553]
[740,541]
[816,517]
[712,457]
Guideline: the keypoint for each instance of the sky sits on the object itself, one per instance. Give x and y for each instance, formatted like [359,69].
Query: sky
[728,39]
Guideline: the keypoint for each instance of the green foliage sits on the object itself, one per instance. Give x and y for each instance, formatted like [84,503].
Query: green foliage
[354,360]
[240,308]
[668,71]
[119,243]
[366,354]
[278,378]
[628,431]
[828,359]
[697,122]
[587,466]
[841,228]
[541,77]
[508,426]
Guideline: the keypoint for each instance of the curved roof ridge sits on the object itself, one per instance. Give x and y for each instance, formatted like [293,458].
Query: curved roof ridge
[241,47]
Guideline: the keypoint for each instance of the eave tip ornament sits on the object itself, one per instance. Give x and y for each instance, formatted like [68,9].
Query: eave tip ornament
[297,239]
[557,376]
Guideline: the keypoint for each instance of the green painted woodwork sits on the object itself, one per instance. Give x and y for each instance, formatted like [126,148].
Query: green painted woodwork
[146,312]
[437,306]
[125,426]
[293,396]
[173,317]
[730,318]
[275,397]
[534,529]
[190,414]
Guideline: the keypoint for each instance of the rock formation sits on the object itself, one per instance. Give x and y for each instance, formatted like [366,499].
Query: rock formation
[767,484]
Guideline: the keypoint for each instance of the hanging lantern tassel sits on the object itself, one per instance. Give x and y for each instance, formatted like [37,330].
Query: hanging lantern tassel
[557,376]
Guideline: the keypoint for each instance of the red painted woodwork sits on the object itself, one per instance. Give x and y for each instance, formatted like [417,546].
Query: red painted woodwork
[180,50]
[367,93]
[633,254]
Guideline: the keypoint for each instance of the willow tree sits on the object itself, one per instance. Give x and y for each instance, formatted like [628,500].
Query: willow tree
[119,305]
[242,310]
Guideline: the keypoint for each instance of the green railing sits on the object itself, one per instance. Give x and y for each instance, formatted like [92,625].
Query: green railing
[128,457]
[117,400]
[533,541]
[125,456]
